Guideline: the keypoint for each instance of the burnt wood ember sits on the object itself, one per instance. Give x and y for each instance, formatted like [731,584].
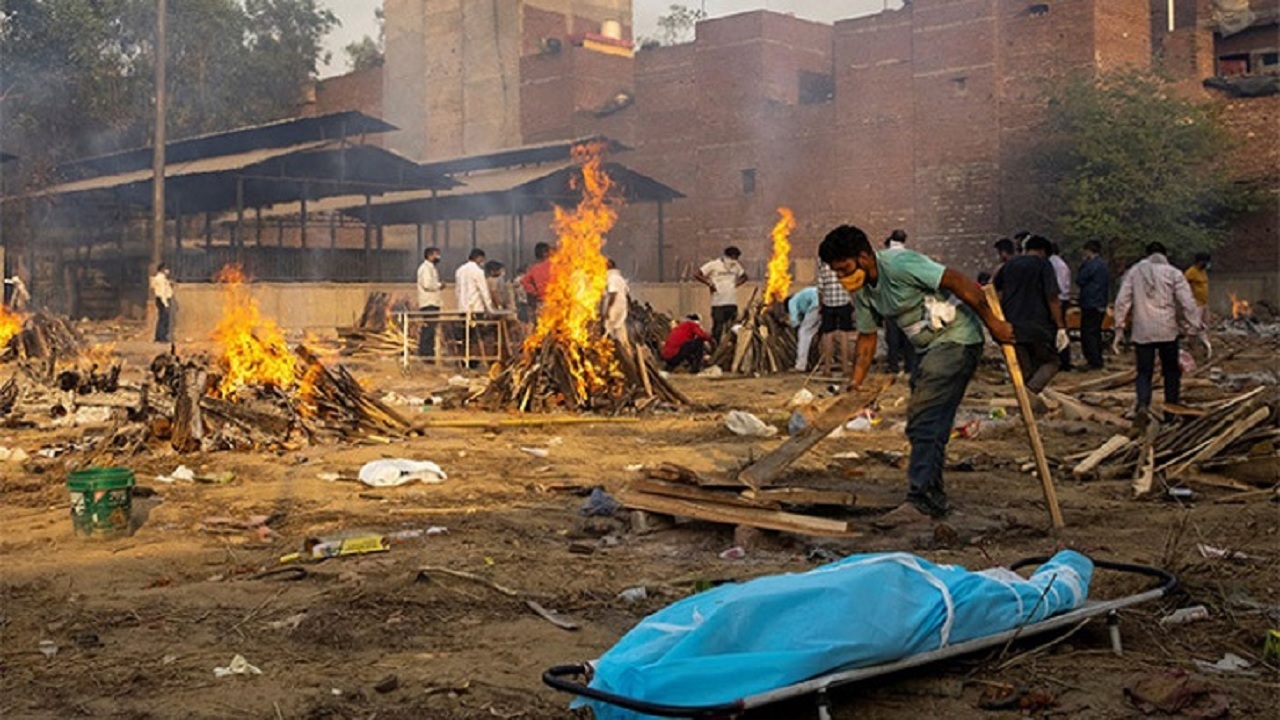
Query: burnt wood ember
[44,336]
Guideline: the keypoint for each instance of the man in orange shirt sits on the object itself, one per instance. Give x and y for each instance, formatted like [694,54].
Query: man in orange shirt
[536,279]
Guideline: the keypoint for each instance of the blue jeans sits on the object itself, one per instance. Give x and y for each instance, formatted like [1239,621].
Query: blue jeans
[943,374]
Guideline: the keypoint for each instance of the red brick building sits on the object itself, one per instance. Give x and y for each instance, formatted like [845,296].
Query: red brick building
[921,118]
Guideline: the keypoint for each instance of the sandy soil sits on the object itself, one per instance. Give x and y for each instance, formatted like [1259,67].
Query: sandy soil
[141,622]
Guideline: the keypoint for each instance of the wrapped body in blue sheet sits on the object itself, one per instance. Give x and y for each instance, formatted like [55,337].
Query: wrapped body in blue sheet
[743,639]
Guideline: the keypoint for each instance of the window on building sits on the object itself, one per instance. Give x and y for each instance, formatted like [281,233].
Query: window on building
[816,88]
[1268,62]
[749,181]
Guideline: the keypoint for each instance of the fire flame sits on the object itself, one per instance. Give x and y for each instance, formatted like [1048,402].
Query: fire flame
[1239,308]
[570,315]
[10,326]
[253,348]
[779,284]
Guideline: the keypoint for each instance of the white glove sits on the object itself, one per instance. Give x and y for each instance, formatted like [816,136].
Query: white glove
[1062,341]
[1115,344]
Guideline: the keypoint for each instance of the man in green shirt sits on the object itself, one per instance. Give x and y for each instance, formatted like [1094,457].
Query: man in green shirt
[919,296]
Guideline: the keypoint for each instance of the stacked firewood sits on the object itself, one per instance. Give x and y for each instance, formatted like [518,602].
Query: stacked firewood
[377,334]
[326,404]
[549,378]
[1240,429]
[43,335]
[763,343]
[647,326]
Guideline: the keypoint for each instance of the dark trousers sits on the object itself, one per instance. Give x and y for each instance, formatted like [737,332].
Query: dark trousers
[1091,336]
[901,353]
[164,320]
[722,317]
[1169,368]
[941,379]
[427,334]
[1039,363]
[691,354]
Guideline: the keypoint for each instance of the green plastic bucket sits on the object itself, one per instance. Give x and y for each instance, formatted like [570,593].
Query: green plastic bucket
[101,502]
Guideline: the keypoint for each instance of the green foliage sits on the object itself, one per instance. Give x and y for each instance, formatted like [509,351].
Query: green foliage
[364,54]
[677,25]
[77,76]
[1132,161]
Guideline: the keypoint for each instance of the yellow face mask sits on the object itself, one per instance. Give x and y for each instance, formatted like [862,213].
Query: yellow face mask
[854,282]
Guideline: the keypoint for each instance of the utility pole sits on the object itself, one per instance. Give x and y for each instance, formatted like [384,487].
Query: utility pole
[157,182]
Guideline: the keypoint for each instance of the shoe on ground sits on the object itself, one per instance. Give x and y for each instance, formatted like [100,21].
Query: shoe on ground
[904,514]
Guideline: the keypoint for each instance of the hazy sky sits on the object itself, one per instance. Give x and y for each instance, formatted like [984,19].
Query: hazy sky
[357,16]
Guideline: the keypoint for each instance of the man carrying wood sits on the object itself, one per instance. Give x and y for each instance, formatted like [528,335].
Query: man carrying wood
[912,291]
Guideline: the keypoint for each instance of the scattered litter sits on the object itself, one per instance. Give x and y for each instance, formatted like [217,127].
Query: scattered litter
[633,595]
[1271,647]
[734,553]
[636,467]
[802,398]
[416,533]
[323,549]
[797,422]
[457,381]
[387,684]
[396,472]
[599,504]
[168,659]
[1181,493]
[1216,553]
[536,452]
[48,648]
[1230,663]
[1186,615]
[1176,693]
[290,623]
[712,372]
[967,431]
[847,456]
[748,425]
[395,398]
[181,473]
[863,421]
[238,666]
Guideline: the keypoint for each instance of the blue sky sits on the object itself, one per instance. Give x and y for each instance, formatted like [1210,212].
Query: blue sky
[357,16]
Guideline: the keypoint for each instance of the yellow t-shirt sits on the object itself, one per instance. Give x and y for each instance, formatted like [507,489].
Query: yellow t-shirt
[1198,279]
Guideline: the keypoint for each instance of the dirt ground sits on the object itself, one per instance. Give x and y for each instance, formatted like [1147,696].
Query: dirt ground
[140,623]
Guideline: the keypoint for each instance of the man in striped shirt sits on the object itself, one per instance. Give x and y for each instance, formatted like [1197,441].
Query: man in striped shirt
[1156,303]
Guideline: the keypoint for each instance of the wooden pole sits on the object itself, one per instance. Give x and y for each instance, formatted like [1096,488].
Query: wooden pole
[158,154]
[1028,417]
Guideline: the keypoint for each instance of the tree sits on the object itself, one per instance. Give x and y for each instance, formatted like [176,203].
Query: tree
[678,24]
[364,54]
[1132,161]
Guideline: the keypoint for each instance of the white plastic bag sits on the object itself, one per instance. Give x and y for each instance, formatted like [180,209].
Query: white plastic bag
[393,473]
[748,425]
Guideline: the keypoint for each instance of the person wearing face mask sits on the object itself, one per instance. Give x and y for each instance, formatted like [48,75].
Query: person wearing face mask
[913,292]
[429,288]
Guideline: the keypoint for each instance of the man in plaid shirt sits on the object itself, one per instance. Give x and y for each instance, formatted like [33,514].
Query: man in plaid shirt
[836,309]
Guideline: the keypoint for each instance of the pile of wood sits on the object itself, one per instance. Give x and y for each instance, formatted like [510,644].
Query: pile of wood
[1237,430]
[544,380]
[326,405]
[764,343]
[43,336]
[647,326]
[680,492]
[377,334]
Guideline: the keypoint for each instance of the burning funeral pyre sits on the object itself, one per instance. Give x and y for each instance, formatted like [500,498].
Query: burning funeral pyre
[763,341]
[567,362]
[258,393]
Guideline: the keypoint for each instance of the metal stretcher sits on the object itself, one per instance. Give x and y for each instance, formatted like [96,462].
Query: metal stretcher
[558,677]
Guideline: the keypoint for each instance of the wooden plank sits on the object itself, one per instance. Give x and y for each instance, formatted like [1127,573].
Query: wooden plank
[1144,474]
[1105,382]
[803,496]
[755,517]
[1221,441]
[1080,411]
[690,492]
[1028,416]
[768,468]
[1112,446]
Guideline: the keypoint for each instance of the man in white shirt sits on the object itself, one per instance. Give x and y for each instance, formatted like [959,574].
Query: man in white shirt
[617,299]
[1063,272]
[1159,299]
[723,276]
[472,285]
[429,290]
[162,289]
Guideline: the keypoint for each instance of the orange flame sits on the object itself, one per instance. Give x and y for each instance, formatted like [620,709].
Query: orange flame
[779,283]
[570,315]
[1239,308]
[253,348]
[10,326]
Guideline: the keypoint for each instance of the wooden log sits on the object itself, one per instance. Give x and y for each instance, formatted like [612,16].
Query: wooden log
[1218,443]
[1112,446]
[1028,416]
[692,492]
[768,468]
[1145,474]
[1106,382]
[803,496]
[1079,411]
[188,434]
[728,515]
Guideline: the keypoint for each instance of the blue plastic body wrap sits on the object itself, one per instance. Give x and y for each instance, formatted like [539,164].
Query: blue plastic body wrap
[743,639]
